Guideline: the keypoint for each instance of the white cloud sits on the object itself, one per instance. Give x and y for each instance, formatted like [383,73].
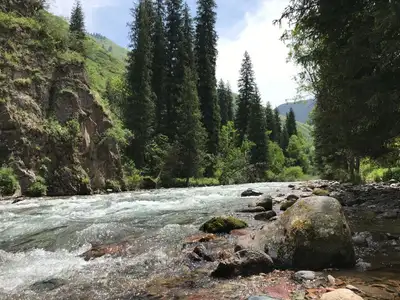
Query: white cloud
[64,7]
[260,38]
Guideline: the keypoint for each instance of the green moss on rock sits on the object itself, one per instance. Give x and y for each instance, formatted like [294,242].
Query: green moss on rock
[320,192]
[222,225]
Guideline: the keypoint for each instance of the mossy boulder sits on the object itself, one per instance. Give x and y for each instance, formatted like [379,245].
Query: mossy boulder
[320,192]
[222,225]
[313,234]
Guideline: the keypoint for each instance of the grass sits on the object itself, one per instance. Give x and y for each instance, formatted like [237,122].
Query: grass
[117,51]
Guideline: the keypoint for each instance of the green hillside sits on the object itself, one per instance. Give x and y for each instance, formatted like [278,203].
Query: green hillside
[111,47]
[304,129]
[101,64]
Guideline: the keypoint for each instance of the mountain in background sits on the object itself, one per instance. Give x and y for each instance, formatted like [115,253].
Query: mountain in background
[301,109]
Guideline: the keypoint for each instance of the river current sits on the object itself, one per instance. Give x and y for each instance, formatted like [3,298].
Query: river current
[41,240]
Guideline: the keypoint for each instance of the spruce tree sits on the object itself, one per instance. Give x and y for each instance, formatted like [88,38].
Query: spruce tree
[270,121]
[191,134]
[159,66]
[284,139]
[140,112]
[229,101]
[77,27]
[246,86]
[257,134]
[206,58]
[188,40]
[175,65]
[291,123]
[223,102]
[277,126]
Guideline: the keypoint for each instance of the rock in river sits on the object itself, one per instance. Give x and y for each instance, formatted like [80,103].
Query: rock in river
[266,202]
[287,203]
[245,263]
[101,250]
[254,209]
[222,225]
[265,216]
[251,193]
[313,234]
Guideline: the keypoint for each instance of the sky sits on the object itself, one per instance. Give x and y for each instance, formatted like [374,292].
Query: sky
[242,25]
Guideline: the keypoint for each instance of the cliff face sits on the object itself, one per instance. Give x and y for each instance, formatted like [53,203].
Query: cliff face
[51,124]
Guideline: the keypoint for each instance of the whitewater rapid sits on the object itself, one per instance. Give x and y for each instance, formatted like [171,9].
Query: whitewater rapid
[42,239]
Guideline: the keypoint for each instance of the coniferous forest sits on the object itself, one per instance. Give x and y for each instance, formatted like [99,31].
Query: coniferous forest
[188,126]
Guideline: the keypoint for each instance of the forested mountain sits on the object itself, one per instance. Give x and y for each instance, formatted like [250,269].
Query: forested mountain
[78,117]
[302,109]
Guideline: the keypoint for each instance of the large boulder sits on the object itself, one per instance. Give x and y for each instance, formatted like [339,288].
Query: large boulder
[266,202]
[341,294]
[251,193]
[222,225]
[313,234]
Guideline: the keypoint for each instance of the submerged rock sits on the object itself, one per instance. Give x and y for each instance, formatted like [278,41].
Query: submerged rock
[223,225]
[203,253]
[341,294]
[251,193]
[48,284]
[313,234]
[100,250]
[265,216]
[245,263]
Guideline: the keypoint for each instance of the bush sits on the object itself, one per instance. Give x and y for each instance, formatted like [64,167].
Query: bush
[8,182]
[38,188]
[391,174]
[292,174]
[271,176]
[113,185]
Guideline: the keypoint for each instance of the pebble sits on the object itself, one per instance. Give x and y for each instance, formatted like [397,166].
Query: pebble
[331,280]
[304,275]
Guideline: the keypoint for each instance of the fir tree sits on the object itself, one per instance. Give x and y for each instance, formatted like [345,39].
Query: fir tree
[291,123]
[77,27]
[284,142]
[257,134]
[270,121]
[246,94]
[159,66]
[188,33]
[223,102]
[175,65]
[277,126]
[191,134]
[206,58]
[140,108]
[229,101]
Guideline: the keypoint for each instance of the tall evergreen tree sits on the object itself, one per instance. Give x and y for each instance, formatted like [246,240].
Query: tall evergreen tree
[206,58]
[223,102]
[257,133]
[291,123]
[270,120]
[284,142]
[159,66]
[175,65]
[191,134]
[278,125]
[246,94]
[229,101]
[140,109]
[188,33]
[77,27]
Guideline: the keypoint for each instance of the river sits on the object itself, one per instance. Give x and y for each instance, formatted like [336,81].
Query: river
[41,239]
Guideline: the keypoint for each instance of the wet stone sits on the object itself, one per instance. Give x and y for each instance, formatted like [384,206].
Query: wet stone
[48,284]
[304,275]
[265,216]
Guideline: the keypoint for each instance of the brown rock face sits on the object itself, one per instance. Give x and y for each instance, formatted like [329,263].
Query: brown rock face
[51,124]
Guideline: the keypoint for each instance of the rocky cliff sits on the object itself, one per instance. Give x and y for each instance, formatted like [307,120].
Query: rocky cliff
[53,128]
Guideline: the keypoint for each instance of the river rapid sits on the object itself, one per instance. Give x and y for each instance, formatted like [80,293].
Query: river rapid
[41,240]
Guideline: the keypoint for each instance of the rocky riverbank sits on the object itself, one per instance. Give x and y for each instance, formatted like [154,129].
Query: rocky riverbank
[288,236]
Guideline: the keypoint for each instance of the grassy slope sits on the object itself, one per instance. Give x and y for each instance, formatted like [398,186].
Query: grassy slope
[117,51]
[101,65]
[304,129]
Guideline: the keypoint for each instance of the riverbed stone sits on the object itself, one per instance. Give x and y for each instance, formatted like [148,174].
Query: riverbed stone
[48,284]
[251,193]
[287,203]
[320,192]
[341,294]
[313,234]
[245,263]
[222,225]
[266,202]
[265,216]
[202,252]
[292,197]
[261,298]
[304,275]
[255,209]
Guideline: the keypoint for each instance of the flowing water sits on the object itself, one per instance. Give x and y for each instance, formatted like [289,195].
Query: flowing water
[42,239]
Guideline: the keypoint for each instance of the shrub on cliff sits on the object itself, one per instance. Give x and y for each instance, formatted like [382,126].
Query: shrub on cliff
[8,182]
[38,188]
